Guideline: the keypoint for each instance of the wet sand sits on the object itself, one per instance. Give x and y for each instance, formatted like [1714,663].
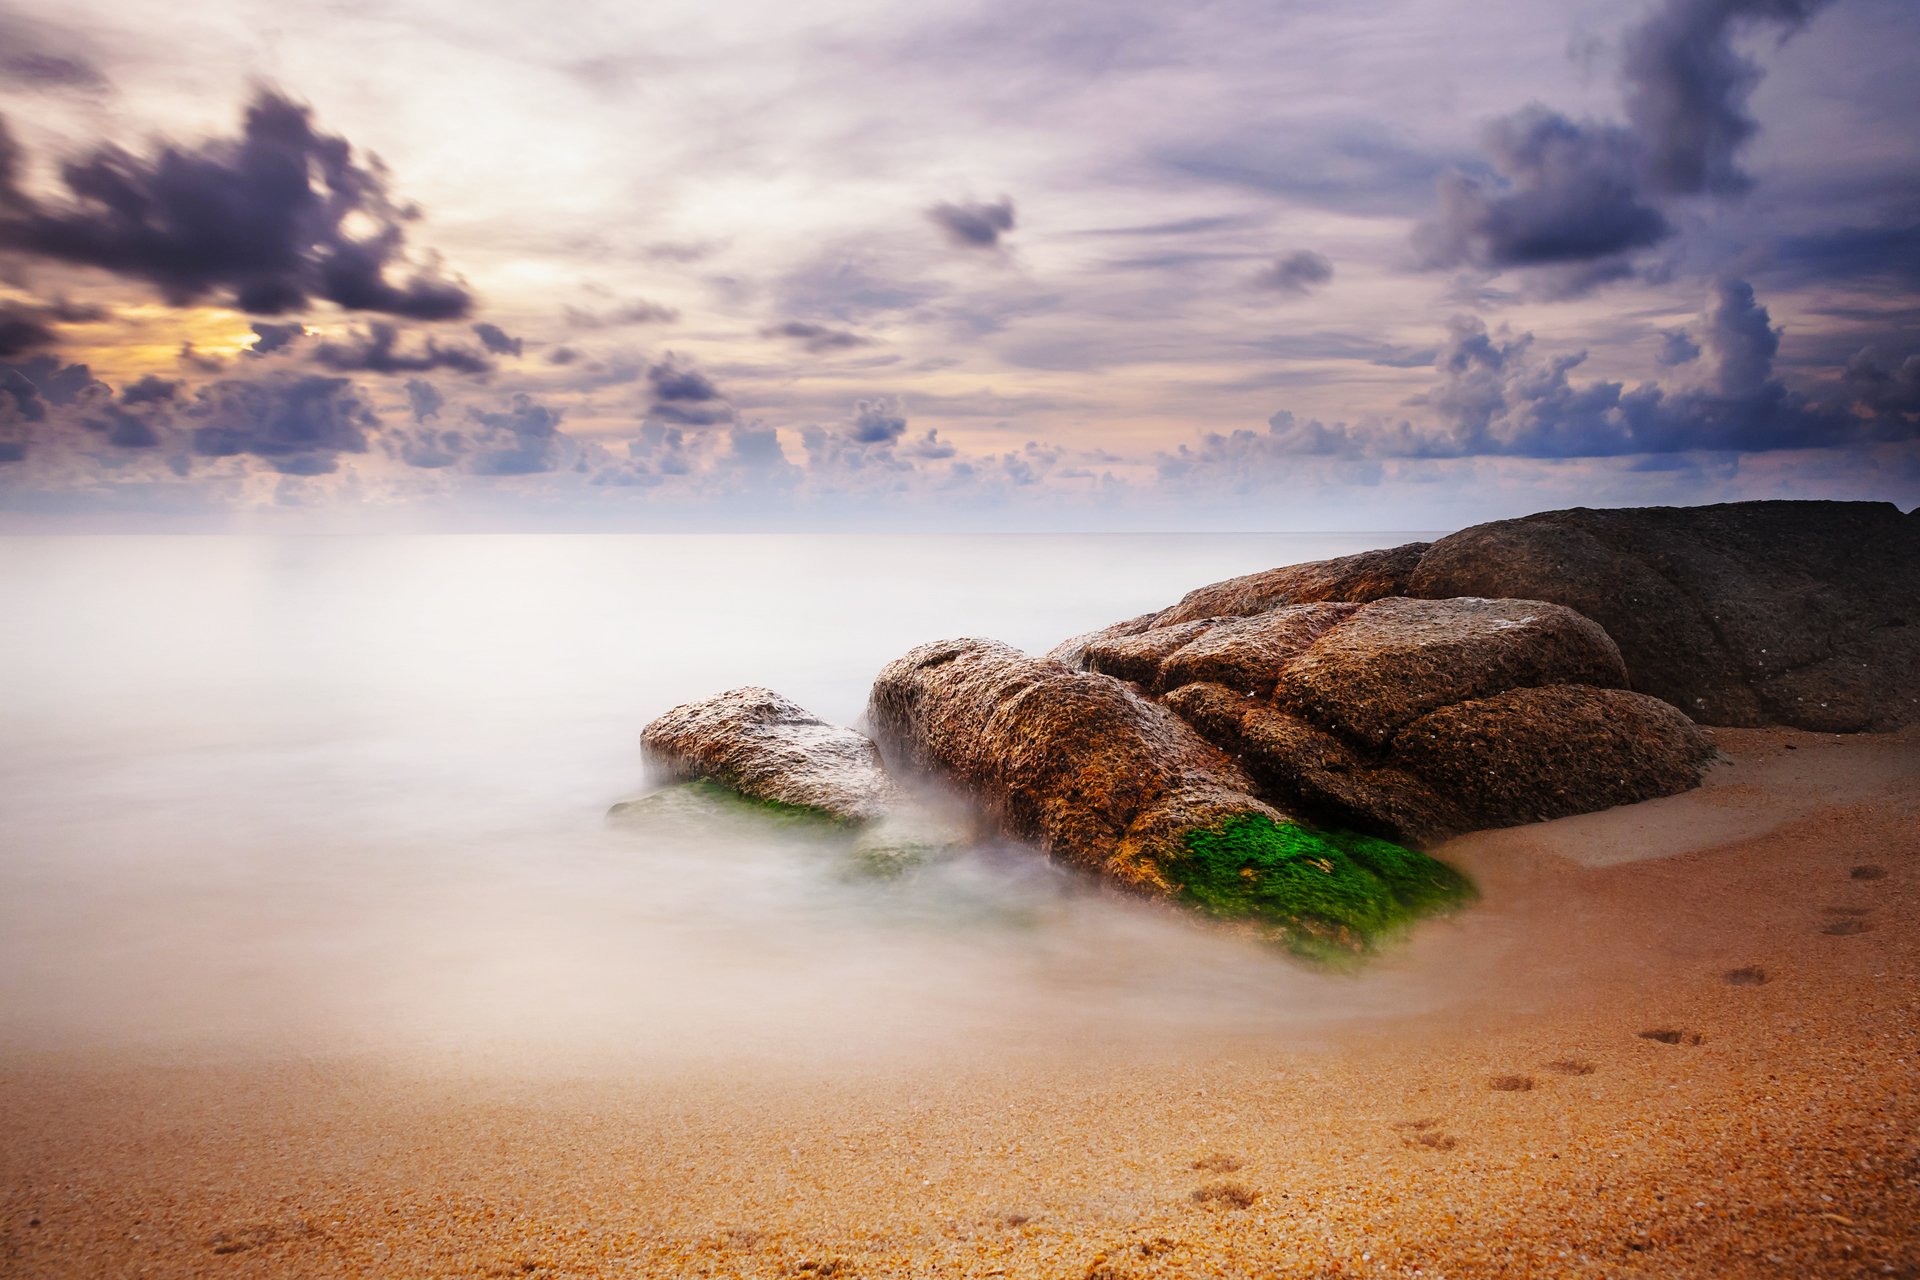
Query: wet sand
[1693,1051]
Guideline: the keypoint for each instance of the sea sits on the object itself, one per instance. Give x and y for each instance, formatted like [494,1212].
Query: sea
[347,794]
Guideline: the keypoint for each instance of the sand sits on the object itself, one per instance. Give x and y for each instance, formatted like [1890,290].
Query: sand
[1690,1049]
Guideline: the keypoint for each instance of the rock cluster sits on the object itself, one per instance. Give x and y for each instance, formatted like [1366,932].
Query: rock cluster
[1217,752]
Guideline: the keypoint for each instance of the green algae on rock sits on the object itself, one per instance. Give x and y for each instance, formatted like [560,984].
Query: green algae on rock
[1107,780]
[1327,894]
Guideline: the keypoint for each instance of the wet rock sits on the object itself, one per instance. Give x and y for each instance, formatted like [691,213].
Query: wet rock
[1751,613]
[768,748]
[1110,781]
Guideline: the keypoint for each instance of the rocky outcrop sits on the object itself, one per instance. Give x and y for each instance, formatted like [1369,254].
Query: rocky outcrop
[1796,613]
[1370,575]
[1113,782]
[769,748]
[1373,714]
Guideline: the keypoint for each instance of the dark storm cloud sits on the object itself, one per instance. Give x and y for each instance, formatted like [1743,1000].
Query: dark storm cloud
[1579,197]
[817,338]
[1677,347]
[495,339]
[123,430]
[974,225]
[21,331]
[58,382]
[1686,88]
[377,350]
[1890,254]
[151,389]
[1297,272]
[1885,385]
[261,220]
[269,338]
[297,424]
[1565,192]
[684,395]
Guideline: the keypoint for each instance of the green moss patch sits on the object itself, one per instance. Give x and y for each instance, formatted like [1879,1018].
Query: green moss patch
[703,799]
[1328,895]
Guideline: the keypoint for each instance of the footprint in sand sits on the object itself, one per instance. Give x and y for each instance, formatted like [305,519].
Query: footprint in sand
[1571,1067]
[1668,1036]
[1751,976]
[258,1235]
[1847,927]
[1225,1195]
[1868,871]
[1511,1084]
[1218,1162]
[1425,1133]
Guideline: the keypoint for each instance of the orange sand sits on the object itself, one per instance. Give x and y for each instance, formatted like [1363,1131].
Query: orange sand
[1535,1131]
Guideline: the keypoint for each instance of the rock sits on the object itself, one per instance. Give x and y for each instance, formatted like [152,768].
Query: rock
[1526,755]
[1418,719]
[1317,773]
[1394,660]
[1112,782]
[1752,613]
[1248,654]
[768,748]
[1370,575]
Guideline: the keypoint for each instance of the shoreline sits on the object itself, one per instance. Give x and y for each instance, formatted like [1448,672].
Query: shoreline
[1527,1125]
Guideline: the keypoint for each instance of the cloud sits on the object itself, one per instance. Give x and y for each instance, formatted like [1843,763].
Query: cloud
[522,440]
[1496,395]
[974,225]
[21,331]
[297,424]
[1890,388]
[36,57]
[684,395]
[495,339]
[1576,198]
[270,338]
[377,350]
[638,311]
[424,399]
[269,221]
[1686,88]
[1561,192]
[1297,272]
[817,338]
[151,389]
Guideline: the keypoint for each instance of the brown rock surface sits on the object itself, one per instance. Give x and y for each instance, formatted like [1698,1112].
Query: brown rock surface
[1098,775]
[1797,613]
[1527,755]
[766,746]
[1370,575]
[1398,659]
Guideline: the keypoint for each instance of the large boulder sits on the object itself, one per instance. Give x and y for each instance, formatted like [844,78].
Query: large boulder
[1110,781]
[1797,613]
[1418,719]
[769,748]
[1370,575]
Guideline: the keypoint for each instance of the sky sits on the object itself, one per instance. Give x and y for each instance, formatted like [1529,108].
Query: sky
[1081,264]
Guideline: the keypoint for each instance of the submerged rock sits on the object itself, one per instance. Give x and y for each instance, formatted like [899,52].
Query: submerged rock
[1112,782]
[1750,613]
[767,747]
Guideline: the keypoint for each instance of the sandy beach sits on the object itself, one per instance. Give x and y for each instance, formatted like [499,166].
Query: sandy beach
[1676,1039]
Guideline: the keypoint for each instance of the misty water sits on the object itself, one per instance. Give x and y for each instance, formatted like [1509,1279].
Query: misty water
[348,794]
